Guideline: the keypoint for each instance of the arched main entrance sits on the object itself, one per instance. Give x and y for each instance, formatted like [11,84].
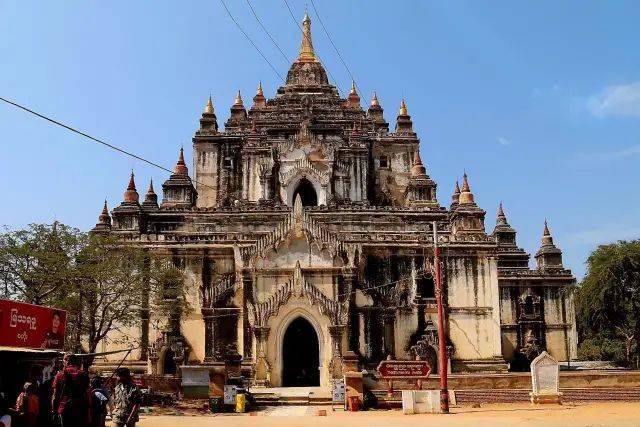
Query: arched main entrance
[307,193]
[300,355]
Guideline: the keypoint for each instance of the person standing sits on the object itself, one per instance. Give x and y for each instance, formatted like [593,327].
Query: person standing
[5,417]
[99,401]
[71,400]
[126,400]
[28,406]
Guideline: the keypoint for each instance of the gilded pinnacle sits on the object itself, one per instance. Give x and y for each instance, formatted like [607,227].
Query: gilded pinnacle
[238,100]
[306,47]
[374,100]
[208,109]
[403,109]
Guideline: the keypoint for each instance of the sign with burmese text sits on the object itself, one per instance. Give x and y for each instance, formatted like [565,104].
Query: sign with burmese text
[31,326]
[404,369]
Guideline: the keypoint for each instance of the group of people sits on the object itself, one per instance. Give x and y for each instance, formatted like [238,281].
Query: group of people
[71,399]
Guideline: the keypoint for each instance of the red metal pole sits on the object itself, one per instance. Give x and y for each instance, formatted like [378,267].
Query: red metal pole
[442,345]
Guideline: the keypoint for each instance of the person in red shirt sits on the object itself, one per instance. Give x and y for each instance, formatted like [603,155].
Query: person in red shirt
[71,395]
[28,406]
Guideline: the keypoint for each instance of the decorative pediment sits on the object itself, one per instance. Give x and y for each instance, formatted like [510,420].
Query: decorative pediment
[297,224]
[302,166]
[298,287]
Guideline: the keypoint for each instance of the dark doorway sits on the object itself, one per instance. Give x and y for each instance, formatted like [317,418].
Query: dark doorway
[300,355]
[307,193]
[169,365]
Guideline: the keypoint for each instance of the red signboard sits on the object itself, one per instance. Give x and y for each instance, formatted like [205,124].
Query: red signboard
[404,369]
[31,326]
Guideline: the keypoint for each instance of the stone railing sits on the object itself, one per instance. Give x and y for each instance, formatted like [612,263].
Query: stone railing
[211,295]
[297,286]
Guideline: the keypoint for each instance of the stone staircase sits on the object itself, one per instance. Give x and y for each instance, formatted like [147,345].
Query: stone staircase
[292,396]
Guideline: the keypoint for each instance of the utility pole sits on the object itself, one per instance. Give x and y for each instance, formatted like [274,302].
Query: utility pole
[442,345]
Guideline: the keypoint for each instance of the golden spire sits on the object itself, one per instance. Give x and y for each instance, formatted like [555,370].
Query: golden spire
[466,196]
[403,109]
[306,47]
[208,109]
[238,100]
[353,88]
[259,91]
[374,100]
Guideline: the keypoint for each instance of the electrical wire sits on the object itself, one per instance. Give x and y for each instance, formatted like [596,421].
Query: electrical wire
[98,140]
[250,40]
[302,31]
[334,46]
[267,32]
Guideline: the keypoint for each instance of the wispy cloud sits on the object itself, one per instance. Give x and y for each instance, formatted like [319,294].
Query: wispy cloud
[623,153]
[620,100]
[599,236]
[503,141]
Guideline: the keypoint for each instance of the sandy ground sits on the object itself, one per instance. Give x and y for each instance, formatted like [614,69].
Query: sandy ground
[569,415]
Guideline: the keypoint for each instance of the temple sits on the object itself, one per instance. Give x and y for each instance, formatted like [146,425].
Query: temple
[306,236]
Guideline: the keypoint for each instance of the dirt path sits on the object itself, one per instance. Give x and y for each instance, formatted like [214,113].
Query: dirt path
[590,414]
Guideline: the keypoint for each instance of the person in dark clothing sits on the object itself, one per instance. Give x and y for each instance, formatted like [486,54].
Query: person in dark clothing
[44,396]
[71,398]
[99,402]
[5,414]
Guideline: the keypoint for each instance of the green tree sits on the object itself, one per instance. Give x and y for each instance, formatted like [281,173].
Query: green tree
[101,282]
[608,302]
[37,263]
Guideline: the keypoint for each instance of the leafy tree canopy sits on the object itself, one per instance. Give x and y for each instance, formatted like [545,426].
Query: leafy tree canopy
[608,302]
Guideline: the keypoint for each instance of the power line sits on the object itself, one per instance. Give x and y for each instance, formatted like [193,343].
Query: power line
[334,46]
[267,32]
[250,41]
[86,135]
[302,31]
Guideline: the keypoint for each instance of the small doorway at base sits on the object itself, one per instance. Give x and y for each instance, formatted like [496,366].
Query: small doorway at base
[300,355]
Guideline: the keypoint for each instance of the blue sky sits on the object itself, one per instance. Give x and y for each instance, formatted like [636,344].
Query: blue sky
[538,101]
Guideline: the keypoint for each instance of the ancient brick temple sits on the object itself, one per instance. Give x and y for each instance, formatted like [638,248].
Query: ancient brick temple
[306,235]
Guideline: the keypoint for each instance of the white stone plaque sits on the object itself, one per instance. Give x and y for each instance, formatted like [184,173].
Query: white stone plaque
[545,379]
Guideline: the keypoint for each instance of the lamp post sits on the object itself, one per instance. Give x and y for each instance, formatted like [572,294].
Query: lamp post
[442,345]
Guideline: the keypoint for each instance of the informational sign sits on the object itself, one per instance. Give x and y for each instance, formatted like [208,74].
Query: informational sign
[404,369]
[230,392]
[31,326]
[338,391]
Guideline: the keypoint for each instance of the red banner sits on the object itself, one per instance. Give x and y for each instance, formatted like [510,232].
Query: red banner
[31,326]
[404,369]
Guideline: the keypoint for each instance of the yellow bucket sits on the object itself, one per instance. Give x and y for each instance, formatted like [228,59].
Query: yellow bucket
[241,403]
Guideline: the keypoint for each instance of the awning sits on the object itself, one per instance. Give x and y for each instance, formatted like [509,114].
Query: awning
[30,351]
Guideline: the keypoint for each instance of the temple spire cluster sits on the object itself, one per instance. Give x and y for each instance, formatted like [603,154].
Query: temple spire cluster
[304,191]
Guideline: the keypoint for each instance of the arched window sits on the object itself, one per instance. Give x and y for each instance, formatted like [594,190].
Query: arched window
[307,193]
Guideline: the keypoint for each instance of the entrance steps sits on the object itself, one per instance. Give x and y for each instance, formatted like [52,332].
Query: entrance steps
[291,395]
